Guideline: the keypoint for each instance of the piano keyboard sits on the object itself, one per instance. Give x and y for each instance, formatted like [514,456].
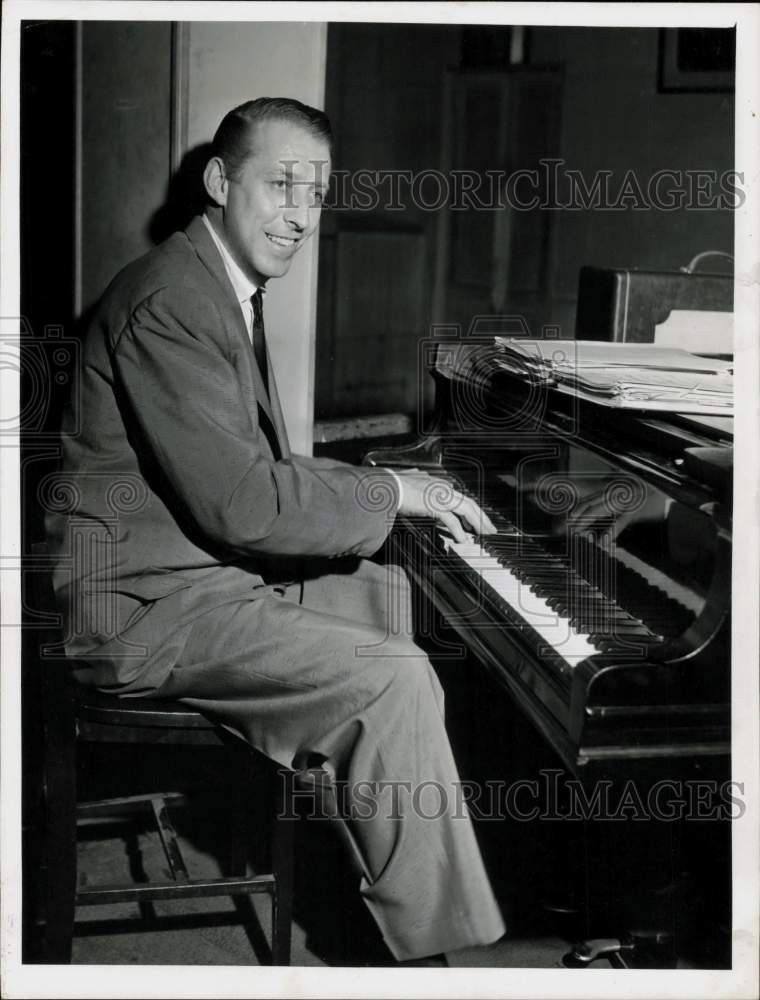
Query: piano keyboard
[569,615]
[554,629]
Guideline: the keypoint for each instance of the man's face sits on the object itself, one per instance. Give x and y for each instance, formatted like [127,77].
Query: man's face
[273,204]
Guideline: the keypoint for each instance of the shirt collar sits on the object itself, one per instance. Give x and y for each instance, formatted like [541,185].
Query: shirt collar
[242,285]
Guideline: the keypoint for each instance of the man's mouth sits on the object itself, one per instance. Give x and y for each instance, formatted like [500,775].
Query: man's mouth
[282,241]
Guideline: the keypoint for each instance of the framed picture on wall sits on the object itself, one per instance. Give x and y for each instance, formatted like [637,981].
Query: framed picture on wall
[697,59]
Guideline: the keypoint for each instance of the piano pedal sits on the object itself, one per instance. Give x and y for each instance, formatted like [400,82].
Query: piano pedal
[645,949]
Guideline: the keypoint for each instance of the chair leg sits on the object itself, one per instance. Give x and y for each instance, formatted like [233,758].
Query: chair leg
[239,841]
[59,851]
[283,830]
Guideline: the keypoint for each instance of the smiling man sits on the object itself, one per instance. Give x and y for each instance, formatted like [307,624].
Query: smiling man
[199,559]
[266,198]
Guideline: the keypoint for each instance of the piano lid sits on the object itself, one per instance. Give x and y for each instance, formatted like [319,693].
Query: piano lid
[481,400]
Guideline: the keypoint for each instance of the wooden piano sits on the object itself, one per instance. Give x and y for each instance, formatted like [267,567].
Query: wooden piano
[603,602]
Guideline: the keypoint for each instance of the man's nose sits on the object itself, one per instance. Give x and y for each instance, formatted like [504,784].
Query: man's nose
[298,209]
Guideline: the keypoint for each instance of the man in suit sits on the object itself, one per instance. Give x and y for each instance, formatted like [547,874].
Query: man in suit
[198,559]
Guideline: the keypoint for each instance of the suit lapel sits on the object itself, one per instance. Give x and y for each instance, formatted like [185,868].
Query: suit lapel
[204,246]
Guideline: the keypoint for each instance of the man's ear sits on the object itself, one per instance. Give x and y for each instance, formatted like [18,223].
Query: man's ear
[215,181]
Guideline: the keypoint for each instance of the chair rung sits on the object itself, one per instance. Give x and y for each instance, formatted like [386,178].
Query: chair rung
[92,926]
[126,805]
[198,888]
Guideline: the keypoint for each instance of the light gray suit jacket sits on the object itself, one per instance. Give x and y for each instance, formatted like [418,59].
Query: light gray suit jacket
[177,486]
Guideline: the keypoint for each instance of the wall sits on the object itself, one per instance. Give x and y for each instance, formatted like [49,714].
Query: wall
[614,119]
[125,136]
[384,98]
[231,63]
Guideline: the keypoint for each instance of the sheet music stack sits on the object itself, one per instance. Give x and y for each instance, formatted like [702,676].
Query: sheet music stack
[629,376]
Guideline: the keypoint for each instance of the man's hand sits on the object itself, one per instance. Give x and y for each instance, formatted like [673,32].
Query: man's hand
[427,496]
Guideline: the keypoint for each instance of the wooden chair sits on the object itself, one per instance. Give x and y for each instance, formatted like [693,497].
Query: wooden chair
[72,716]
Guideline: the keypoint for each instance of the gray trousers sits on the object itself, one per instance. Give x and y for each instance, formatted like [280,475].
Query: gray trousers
[326,670]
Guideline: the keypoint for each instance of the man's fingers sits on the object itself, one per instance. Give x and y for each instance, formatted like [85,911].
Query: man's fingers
[439,499]
[465,516]
[453,526]
[451,500]
[478,520]
[475,518]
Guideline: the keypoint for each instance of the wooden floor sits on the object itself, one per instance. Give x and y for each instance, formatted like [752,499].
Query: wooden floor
[329,929]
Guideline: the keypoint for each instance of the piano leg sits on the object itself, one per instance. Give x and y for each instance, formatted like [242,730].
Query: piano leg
[566,901]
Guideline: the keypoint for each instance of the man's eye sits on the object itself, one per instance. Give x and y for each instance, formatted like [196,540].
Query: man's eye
[280,184]
[319,198]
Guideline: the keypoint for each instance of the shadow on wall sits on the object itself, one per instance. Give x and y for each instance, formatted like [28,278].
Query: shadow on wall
[185,196]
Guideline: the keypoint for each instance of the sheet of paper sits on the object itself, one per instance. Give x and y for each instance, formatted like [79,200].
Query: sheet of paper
[698,331]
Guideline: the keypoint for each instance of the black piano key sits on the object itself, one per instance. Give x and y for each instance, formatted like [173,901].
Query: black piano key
[544,579]
[553,595]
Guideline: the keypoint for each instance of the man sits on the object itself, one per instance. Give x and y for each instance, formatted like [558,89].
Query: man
[198,559]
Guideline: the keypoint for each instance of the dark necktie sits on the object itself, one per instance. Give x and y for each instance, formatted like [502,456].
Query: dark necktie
[257,336]
[260,352]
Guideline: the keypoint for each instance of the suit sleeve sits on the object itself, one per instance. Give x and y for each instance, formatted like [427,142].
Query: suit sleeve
[321,463]
[173,368]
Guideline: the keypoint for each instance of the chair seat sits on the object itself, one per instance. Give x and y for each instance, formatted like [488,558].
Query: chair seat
[114,710]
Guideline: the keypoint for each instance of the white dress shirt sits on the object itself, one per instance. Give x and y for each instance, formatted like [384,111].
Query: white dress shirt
[243,286]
